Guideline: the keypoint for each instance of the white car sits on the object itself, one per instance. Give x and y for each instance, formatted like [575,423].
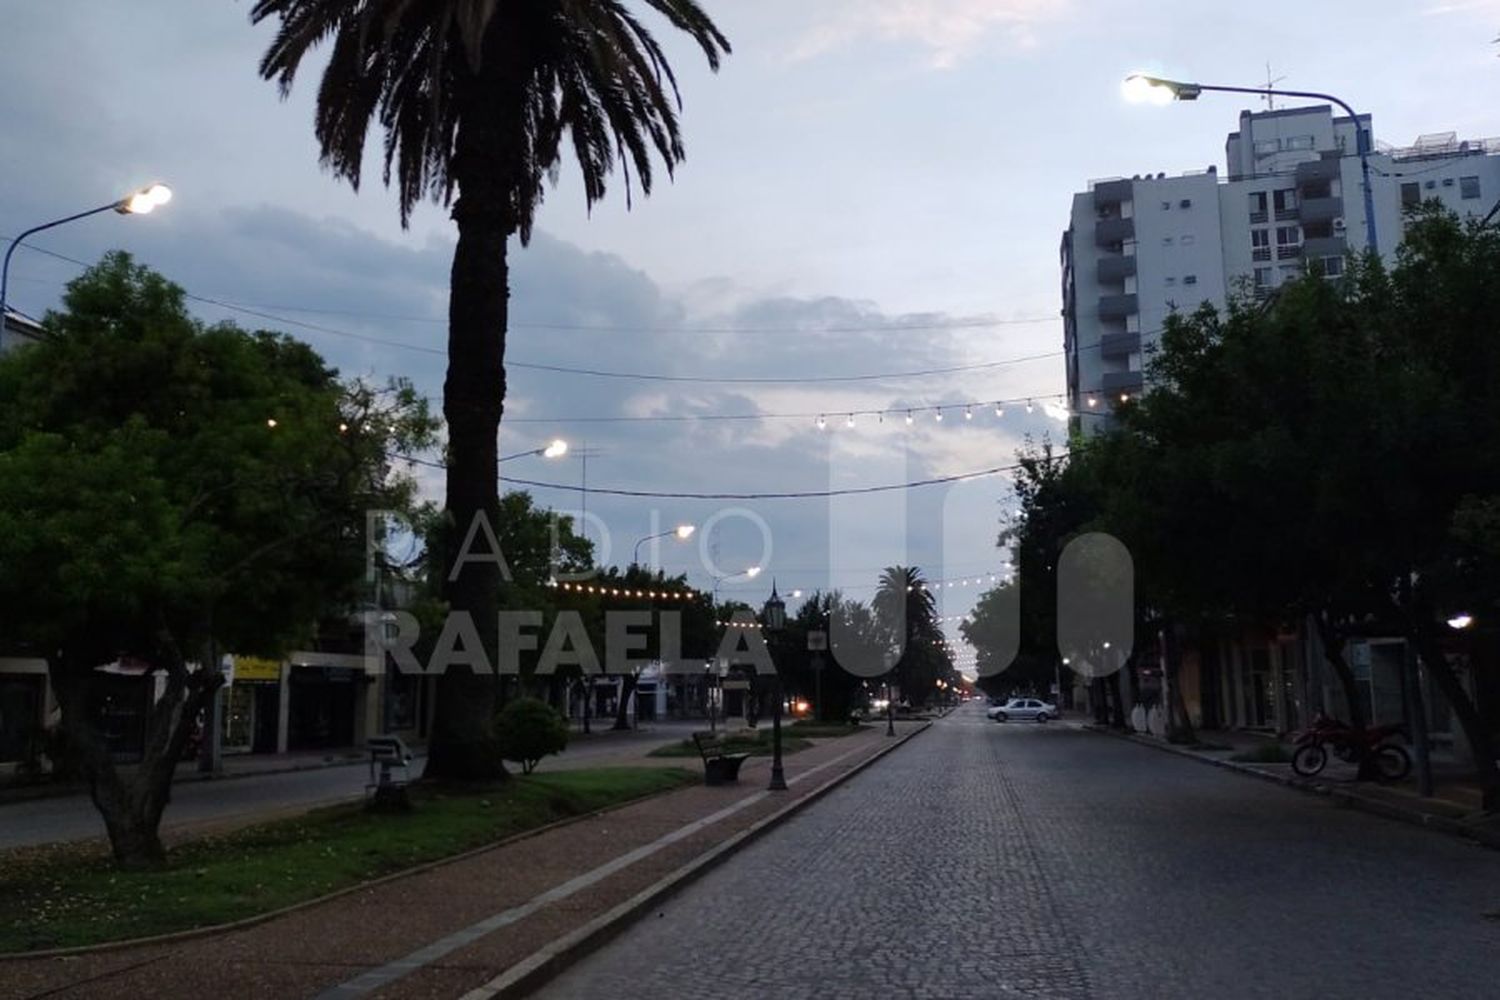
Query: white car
[1023,708]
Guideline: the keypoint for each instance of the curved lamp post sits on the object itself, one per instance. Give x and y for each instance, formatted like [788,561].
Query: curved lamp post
[1155,90]
[750,574]
[682,533]
[553,449]
[141,202]
[773,620]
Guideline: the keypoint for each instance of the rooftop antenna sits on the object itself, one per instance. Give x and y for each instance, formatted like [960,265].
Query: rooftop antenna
[1270,95]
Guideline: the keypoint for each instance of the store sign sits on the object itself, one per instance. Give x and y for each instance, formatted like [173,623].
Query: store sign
[254,668]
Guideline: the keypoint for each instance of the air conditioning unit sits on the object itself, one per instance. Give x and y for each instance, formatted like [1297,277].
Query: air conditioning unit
[1338,225]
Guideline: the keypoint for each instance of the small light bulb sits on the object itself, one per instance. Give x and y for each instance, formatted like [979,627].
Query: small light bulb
[1124,397]
[1028,406]
[1093,401]
[968,413]
[271,422]
[909,418]
[343,428]
[940,415]
[850,421]
[822,422]
[999,410]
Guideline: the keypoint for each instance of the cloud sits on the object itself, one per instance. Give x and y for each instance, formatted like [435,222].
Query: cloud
[949,30]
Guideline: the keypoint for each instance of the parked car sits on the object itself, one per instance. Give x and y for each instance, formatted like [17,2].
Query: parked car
[1023,708]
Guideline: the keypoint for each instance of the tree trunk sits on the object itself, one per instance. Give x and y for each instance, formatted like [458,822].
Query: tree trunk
[132,808]
[473,402]
[1476,730]
[622,715]
[1333,652]
[1179,723]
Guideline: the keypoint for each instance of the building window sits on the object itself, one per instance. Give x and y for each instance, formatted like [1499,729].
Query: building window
[1260,237]
[1468,187]
[1188,239]
[1431,185]
[1288,235]
[1185,203]
[1266,147]
[1299,142]
[1262,277]
[1171,282]
[1290,272]
[1191,279]
[1166,241]
[1286,203]
[1333,267]
[1411,193]
[1257,207]
[1166,206]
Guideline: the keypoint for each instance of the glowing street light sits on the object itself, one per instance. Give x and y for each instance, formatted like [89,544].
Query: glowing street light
[141,202]
[1461,621]
[553,449]
[682,533]
[1144,88]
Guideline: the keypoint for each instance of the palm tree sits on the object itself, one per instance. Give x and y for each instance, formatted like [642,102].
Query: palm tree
[474,98]
[907,612]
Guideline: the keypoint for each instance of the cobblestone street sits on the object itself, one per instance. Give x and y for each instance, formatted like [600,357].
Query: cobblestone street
[987,860]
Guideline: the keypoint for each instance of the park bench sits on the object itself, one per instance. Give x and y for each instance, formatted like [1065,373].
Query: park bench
[387,753]
[719,766]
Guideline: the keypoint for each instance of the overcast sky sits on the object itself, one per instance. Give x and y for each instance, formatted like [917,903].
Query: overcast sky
[892,173]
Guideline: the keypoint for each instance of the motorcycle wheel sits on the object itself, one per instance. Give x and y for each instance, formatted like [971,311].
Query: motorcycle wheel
[1393,762]
[1309,760]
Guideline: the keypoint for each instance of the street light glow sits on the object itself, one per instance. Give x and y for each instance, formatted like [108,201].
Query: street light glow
[1460,621]
[557,449]
[753,572]
[144,201]
[685,531]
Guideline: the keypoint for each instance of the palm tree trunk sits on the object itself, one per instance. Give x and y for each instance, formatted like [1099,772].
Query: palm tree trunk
[473,401]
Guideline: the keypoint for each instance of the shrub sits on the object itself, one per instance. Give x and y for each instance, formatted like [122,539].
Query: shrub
[527,730]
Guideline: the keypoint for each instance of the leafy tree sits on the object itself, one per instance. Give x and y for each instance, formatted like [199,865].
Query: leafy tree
[527,730]
[474,98]
[168,492]
[906,610]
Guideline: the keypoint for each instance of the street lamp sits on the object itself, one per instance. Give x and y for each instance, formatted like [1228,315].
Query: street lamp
[773,618]
[890,699]
[553,449]
[141,202]
[1155,90]
[682,533]
[749,574]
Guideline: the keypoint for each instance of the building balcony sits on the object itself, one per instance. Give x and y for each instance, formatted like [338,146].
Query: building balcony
[1328,246]
[1315,210]
[1114,383]
[1112,192]
[1108,232]
[1289,251]
[1119,345]
[1117,306]
[1115,269]
[1316,172]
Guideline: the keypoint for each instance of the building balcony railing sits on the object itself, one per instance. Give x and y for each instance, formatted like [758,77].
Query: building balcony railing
[1119,345]
[1315,210]
[1108,232]
[1117,306]
[1118,382]
[1112,192]
[1315,172]
[1259,218]
[1328,246]
[1289,252]
[1116,268]
[1260,253]
[1286,214]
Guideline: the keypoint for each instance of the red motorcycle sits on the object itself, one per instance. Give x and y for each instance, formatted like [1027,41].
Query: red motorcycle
[1329,735]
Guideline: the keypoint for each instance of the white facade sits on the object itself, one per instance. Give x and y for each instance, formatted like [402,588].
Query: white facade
[1138,249]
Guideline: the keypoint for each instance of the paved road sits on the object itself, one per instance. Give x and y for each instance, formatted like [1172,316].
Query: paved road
[44,821]
[987,860]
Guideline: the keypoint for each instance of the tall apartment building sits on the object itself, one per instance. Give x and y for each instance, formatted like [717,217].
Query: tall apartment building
[1292,198]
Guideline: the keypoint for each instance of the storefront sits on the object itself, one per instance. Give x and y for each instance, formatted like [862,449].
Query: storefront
[23,696]
[252,706]
[328,695]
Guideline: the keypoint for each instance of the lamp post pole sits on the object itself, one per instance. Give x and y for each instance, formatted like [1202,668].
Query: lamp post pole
[1363,140]
[774,620]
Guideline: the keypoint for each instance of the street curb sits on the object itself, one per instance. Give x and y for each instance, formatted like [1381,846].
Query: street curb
[177,937]
[20,794]
[1375,807]
[538,968]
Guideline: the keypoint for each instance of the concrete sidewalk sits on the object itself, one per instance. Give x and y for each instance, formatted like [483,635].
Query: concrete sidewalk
[1454,807]
[520,910]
